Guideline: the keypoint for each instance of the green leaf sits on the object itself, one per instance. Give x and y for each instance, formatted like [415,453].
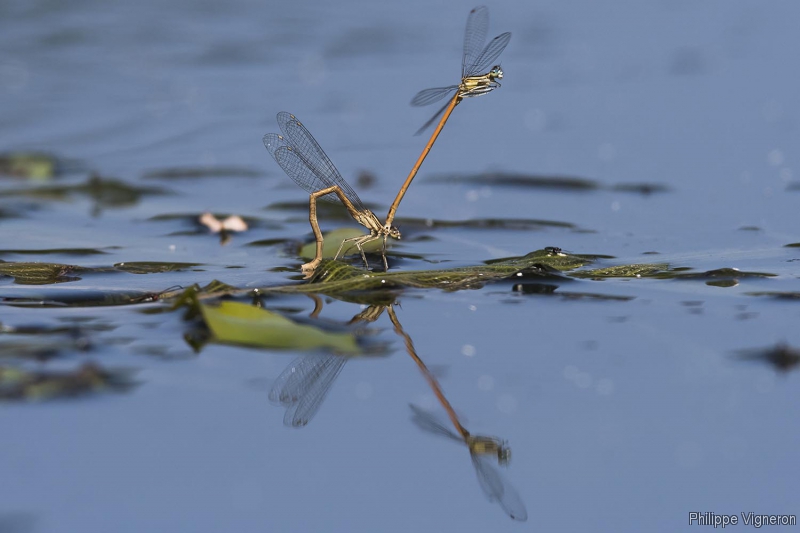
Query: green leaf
[239,323]
[645,270]
[334,277]
[333,239]
[153,267]
[40,273]
[31,165]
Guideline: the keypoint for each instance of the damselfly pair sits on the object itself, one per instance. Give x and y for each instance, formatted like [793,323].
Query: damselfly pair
[303,160]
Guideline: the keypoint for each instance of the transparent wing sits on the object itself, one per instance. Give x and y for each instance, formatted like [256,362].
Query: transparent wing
[487,59]
[303,386]
[295,167]
[303,160]
[497,489]
[430,423]
[474,37]
[433,118]
[429,96]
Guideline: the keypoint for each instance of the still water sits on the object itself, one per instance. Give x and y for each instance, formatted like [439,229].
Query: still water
[644,132]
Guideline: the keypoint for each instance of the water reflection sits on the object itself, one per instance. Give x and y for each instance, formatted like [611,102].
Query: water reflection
[483,450]
[302,387]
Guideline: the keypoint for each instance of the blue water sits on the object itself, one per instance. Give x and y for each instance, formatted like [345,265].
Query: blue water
[623,415]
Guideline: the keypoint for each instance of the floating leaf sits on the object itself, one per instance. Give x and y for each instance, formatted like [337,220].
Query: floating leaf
[624,271]
[641,188]
[546,289]
[782,356]
[482,223]
[106,192]
[18,384]
[333,239]
[240,323]
[40,273]
[32,165]
[724,273]
[57,251]
[336,277]
[153,267]
[202,172]
[778,295]
[510,179]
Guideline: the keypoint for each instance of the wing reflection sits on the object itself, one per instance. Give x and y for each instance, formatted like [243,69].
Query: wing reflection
[484,451]
[303,386]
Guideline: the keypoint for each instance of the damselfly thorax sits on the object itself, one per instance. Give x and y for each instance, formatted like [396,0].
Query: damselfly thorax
[478,85]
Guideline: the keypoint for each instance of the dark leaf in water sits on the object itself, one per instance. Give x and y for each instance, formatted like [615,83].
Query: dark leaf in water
[546,289]
[532,181]
[153,267]
[640,188]
[58,251]
[778,295]
[106,192]
[90,378]
[31,165]
[482,223]
[782,356]
[202,172]
[41,273]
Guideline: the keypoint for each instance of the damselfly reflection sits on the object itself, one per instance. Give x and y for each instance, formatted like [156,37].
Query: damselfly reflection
[484,451]
[476,59]
[303,386]
[303,160]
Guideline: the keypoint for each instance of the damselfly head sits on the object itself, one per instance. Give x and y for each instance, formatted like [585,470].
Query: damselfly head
[392,232]
[503,453]
[496,73]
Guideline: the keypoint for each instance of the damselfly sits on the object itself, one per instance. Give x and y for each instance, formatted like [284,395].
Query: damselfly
[303,160]
[473,83]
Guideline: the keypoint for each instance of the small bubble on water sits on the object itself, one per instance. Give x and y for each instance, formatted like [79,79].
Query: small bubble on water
[535,120]
[604,387]
[506,404]
[468,350]
[486,382]
[775,157]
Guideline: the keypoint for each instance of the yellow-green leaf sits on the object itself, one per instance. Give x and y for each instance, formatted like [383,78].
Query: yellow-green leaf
[333,239]
[240,323]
